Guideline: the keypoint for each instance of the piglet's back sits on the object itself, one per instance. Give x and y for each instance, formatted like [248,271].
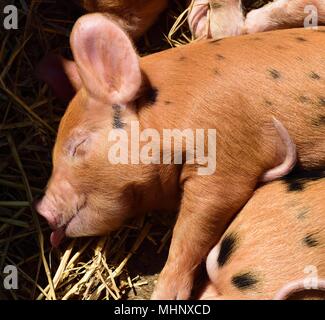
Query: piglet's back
[279,238]
[219,84]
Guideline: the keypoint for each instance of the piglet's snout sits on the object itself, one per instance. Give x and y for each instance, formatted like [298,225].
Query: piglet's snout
[59,204]
[47,210]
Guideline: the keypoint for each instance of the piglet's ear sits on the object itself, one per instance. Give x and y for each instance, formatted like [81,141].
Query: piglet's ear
[107,62]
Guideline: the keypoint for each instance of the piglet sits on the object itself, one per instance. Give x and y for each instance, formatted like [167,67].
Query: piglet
[216,18]
[248,101]
[275,248]
[135,16]
[281,14]
[223,18]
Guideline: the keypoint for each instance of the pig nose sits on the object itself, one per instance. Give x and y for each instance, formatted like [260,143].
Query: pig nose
[44,209]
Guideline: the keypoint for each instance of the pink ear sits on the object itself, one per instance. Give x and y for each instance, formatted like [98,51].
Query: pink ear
[107,62]
[60,74]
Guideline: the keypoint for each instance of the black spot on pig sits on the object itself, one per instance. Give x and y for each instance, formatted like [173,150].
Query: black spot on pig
[303,212]
[315,76]
[256,39]
[321,101]
[149,97]
[244,281]
[279,47]
[152,95]
[182,58]
[117,117]
[297,181]
[319,121]
[215,41]
[227,247]
[275,74]
[268,103]
[304,99]
[296,185]
[220,57]
[216,72]
[167,102]
[310,241]
[301,39]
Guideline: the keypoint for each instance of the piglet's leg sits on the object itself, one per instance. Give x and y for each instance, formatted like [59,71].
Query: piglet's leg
[282,14]
[216,18]
[207,206]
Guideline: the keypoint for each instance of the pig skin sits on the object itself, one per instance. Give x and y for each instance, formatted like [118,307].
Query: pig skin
[275,238]
[135,16]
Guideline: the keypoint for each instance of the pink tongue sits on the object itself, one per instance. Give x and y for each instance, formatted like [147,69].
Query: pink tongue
[57,236]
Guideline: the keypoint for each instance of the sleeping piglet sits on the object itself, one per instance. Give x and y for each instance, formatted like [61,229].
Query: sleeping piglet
[242,98]
[223,18]
[135,16]
[212,18]
[275,248]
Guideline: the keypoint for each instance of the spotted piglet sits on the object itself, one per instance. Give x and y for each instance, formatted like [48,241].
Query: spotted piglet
[223,18]
[216,18]
[281,14]
[275,248]
[257,96]
[135,16]
[212,18]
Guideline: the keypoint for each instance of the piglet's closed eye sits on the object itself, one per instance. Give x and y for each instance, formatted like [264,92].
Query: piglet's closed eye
[106,59]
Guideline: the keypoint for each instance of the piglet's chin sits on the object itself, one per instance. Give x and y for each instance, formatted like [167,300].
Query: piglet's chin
[81,226]
[71,230]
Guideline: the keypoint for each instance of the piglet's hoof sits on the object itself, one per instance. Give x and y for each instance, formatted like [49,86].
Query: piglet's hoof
[172,286]
[216,19]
